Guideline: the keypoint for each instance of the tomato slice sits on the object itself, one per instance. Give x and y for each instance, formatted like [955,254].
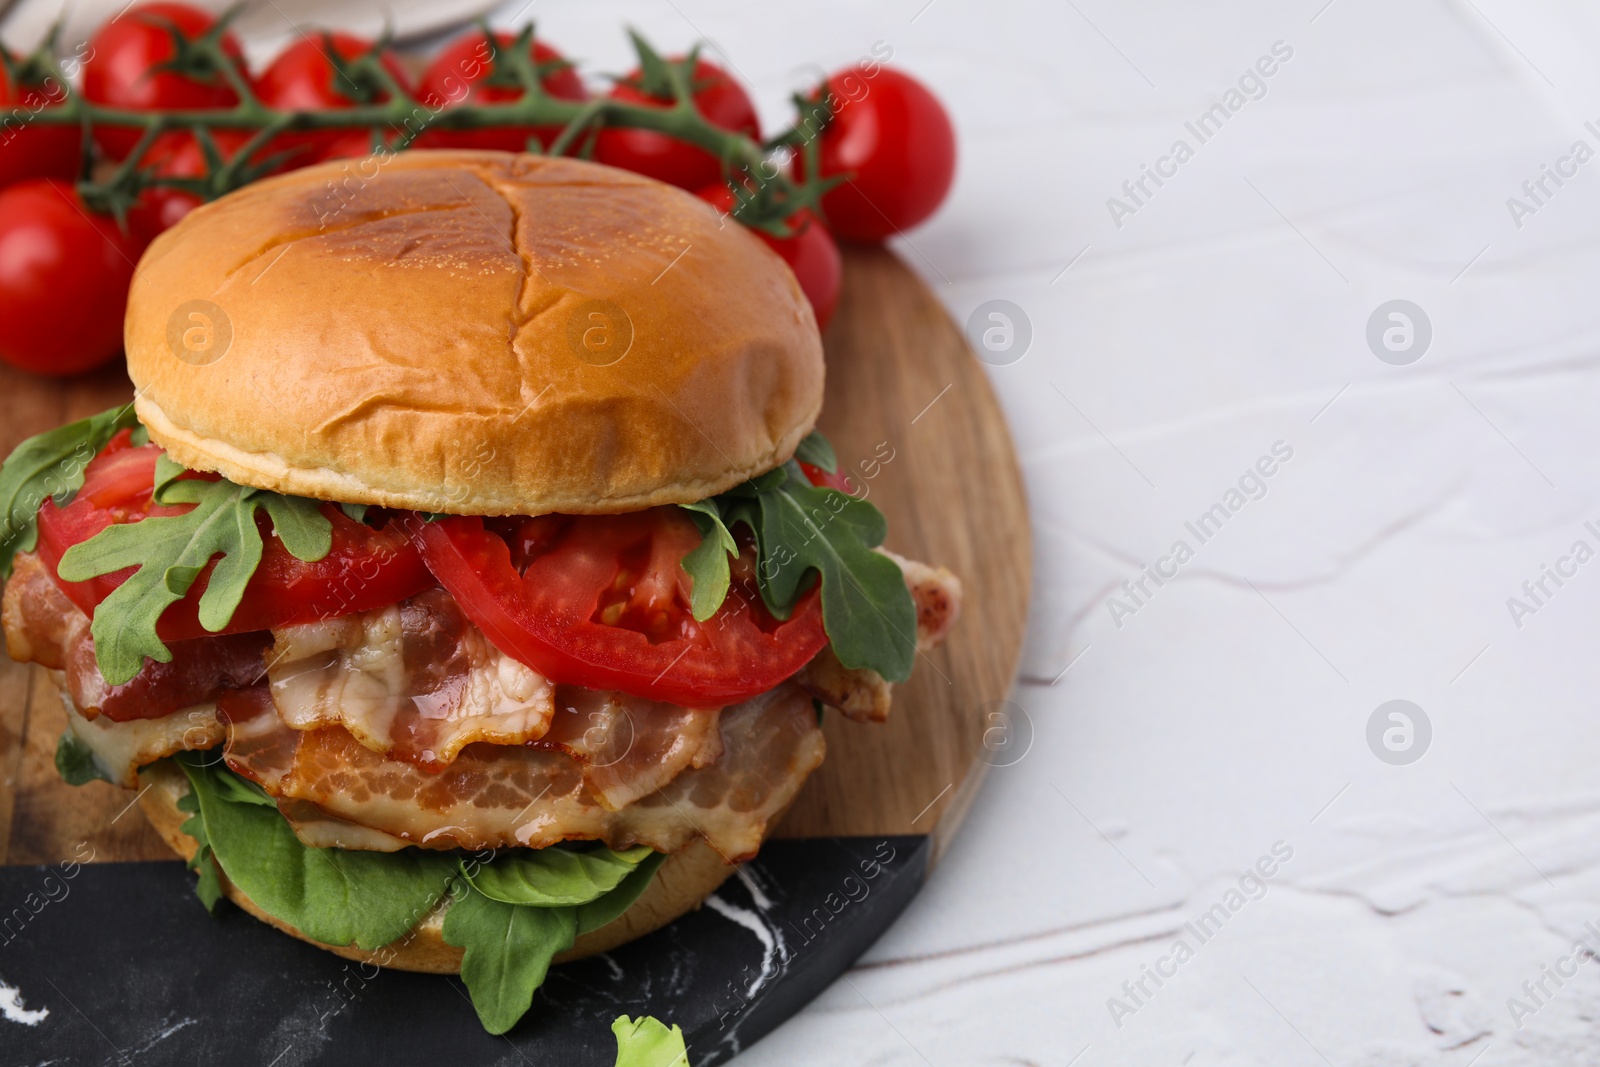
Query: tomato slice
[365,569]
[601,601]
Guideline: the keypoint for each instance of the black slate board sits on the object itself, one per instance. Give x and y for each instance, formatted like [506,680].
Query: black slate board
[133,971]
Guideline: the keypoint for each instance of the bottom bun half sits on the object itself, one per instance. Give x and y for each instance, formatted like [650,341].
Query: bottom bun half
[680,884]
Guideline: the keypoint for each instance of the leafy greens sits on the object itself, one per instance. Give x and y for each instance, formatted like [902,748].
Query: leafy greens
[801,529]
[648,1042]
[508,944]
[336,896]
[75,761]
[372,899]
[47,465]
[170,551]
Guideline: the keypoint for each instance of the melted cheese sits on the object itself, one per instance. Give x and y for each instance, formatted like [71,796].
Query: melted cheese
[121,748]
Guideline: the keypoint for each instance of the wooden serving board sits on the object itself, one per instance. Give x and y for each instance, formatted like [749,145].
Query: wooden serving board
[912,416]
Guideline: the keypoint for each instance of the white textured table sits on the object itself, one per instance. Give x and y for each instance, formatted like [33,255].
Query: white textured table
[1229,711]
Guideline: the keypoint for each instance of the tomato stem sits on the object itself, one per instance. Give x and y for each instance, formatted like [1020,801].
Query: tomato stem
[752,167]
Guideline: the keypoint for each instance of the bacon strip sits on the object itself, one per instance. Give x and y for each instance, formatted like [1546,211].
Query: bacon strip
[861,694]
[497,796]
[42,626]
[415,681]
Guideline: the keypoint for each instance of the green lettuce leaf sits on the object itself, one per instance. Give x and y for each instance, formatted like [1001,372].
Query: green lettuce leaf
[707,564]
[817,450]
[597,913]
[171,551]
[336,896]
[507,949]
[553,877]
[75,761]
[209,887]
[49,465]
[648,1042]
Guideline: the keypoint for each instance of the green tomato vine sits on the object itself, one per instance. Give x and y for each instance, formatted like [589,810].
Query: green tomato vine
[768,193]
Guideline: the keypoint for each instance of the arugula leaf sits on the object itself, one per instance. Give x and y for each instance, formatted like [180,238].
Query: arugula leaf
[817,450]
[801,530]
[553,877]
[47,465]
[75,761]
[209,887]
[648,1042]
[171,551]
[597,913]
[335,896]
[507,952]
[168,471]
[358,512]
[867,610]
[707,564]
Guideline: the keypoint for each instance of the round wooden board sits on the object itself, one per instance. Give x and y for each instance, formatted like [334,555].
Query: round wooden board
[910,413]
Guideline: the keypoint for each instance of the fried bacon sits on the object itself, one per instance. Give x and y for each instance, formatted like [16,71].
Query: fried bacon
[862,694]
[44,627]
[496,796]
[415,681]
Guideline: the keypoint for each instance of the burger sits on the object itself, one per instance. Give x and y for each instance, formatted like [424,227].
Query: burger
[465,585]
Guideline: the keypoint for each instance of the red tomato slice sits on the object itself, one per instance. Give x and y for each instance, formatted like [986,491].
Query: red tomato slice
[601,601]
[365,569]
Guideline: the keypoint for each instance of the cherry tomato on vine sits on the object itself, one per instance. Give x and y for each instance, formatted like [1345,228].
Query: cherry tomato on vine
[716,96]
[303,78]
[810,253]
[178,155]
[894,139]
[350,144]
[123,55]
[454,78]
[29,149]
[64,276]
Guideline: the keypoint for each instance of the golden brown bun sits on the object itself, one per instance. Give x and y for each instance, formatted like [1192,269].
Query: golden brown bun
[427,332]
[681,883]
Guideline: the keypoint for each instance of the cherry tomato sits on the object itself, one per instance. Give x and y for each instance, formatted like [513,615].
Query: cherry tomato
[454,77]
[894,139]
[716,96]
[602,601]
[350,144]
[123,55]
[178,155]
[810,253]
[365,569]
[303,78]
[64,277]
[29,149]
